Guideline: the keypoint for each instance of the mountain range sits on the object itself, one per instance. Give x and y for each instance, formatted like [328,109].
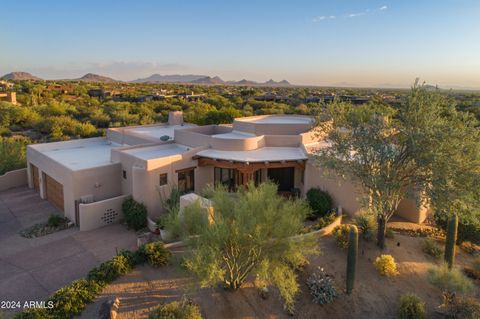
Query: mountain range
[154,78]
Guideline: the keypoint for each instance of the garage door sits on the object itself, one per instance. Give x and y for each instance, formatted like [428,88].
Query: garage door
[35,178]
[54,191]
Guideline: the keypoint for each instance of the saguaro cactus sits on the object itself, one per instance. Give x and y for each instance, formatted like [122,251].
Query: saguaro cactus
[452,230]
[352,257]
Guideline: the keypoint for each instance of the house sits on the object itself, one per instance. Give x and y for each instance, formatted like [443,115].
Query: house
[88,179]
[10,97]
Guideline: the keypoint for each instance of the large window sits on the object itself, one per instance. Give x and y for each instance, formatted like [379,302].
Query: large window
[283,177]
[186,180]
[225,176]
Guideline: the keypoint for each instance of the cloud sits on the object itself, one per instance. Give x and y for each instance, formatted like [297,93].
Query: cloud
[383,8]
[357,14]
[322,18]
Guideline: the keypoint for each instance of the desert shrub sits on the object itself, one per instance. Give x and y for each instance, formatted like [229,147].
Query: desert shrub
[110,270]
[430,247]
[411,307]
[340,233]
[72,299]
[468,226]
[319,201]
[155,253]
[463,307]
[366,224]
[321,287]
[453,280]
[386,265]
[55,220]
[134,213]
[389,233]
[34,313]
[12,153]
[476,263]
[320,223]
[184,309]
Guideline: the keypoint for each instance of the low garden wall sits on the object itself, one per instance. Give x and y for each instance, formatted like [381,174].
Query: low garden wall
[102,213]
[13,179]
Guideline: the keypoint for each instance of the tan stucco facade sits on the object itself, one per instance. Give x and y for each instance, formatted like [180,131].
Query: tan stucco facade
[129,162]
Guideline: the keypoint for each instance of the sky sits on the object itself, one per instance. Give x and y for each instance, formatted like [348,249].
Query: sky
[363,43]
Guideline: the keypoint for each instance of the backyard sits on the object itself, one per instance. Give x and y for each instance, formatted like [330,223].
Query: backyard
[374,296]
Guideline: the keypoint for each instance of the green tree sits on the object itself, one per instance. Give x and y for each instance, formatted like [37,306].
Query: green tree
[425,146]
[252,232]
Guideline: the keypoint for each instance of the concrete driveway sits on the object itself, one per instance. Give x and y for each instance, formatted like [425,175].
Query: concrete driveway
[31,269]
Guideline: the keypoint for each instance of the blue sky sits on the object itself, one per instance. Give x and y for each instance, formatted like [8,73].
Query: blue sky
[337,42]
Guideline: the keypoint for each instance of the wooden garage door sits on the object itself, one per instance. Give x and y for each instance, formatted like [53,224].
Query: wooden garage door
[54,191]
[35,177]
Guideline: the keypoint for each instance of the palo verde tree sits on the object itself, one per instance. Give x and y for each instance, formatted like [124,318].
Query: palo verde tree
[251,232]
[424,147]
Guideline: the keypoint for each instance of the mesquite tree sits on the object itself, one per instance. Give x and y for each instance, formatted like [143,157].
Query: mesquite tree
[425,146]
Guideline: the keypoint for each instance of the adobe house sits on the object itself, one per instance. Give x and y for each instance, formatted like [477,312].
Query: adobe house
[88,179]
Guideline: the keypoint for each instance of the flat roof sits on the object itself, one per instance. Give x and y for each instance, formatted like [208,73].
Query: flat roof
[237,135]
[157,151]
[88,154]
[157,131]
[265,154]
[278,119]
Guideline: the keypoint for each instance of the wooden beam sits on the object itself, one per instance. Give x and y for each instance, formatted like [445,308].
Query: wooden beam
[251,167]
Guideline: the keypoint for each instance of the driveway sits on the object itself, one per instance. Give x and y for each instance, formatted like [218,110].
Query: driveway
[32,269]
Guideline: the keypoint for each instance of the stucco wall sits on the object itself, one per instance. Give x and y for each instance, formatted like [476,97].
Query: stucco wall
[101,213]
[14,178]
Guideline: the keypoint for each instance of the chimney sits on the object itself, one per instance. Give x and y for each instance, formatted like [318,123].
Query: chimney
[175,118]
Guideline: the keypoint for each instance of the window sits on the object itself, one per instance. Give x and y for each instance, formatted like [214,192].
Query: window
[163,179]
[283,177]
[186,180]
[225,176]
[124,173]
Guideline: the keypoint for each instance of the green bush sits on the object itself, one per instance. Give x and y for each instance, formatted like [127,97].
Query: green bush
[36,313]
[176,310]
[111,270]
[389,233]
[464,307]
[468,226]
[320,223]
[411,307]
[72,299]
[12,153]
[55,220]
[321,287]
[430,247]
[341,233]
[155,253]
[319,201]
[453,280]
[386,265]
[135,214]
[367,225]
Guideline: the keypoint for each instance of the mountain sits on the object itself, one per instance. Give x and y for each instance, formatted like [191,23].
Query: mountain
[90,77]
[20,76]
[173,78]
[275,83]
[209,80]
[244,82]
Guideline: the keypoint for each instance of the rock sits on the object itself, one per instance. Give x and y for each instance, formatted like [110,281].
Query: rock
[109,309]
[264,293]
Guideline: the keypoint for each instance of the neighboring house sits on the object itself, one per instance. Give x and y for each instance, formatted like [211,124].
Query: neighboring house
[10,97]
[89,178]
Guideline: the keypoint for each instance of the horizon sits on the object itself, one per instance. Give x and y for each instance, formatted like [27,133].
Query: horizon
[384,44]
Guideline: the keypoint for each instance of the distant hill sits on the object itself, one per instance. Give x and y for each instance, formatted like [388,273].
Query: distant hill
[205,79]
[173,78]
[209,80]
[90,77]
[20,76]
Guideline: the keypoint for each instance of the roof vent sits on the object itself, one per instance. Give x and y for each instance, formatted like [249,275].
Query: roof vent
[164,138]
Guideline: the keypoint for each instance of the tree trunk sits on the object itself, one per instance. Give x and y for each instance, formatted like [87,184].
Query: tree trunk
[382,227]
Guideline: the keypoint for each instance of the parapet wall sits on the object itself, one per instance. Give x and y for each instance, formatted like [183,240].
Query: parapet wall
[13,179]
